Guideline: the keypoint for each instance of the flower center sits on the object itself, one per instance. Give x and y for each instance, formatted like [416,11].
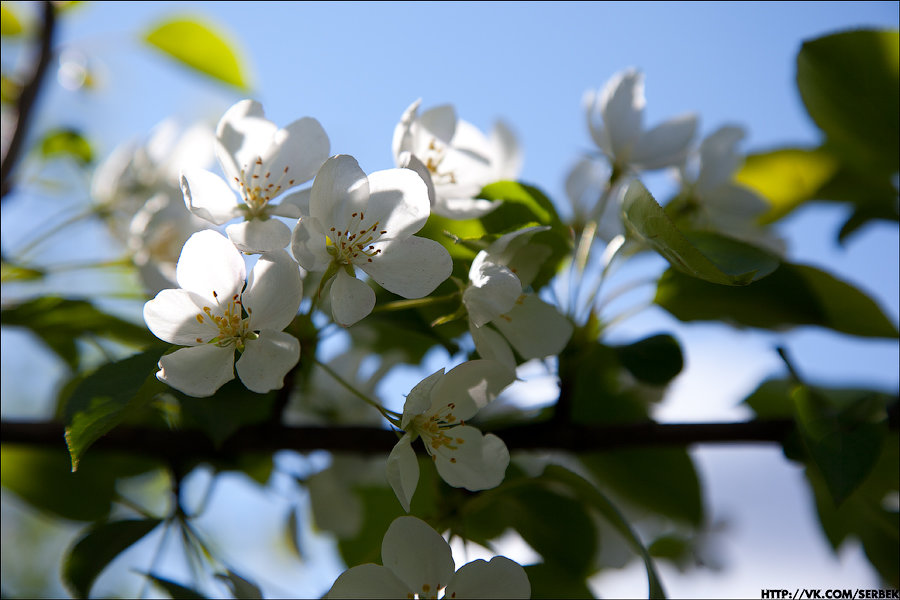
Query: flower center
[434,155]
[356,242]
[435,428]
[232,326]
[258,187]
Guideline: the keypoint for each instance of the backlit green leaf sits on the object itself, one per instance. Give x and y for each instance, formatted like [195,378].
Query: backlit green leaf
[655,360]
[97,548]
[201,47]
[66,143]
[10,24]
[705,255]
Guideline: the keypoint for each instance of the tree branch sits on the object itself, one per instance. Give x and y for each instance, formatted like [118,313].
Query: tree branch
[27,98]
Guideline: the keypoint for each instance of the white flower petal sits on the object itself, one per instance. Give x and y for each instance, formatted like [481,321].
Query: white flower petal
[475,461]
[493,346]
[506,162]
[208,196]
[258,235]
[418,555]
[403,139]
[719,158]
[298,151]
[534,328]
[368,581]
[460,209]
[584,185]
[470,386]
[335,507]
[242,134]
[438,122]
[198,371]
[494,291]
[411,268]
[293,205]
[622,107]
[351,299]
[666,145]
[403,470]
[340,189]
[398,200]
[172,317]
[274,290]
[500,578]
[407,160]
[733,206]
[591,102]
[308,245]
[419,398]
[267,359]
[210,263]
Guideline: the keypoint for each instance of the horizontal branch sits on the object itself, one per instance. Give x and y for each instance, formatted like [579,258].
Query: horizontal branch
[184,444]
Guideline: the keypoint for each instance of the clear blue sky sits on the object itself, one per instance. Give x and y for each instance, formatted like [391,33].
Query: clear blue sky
[357,66]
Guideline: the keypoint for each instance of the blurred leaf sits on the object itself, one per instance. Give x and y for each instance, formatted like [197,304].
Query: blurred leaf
[549,581]
[10,89]
[11,272]
[175,590]
[871,196]
[97,548]
[669,469]
[671,547]
[656,360]
[233,406]
[591,496]
[791,296]
[106,397]
[44,478]
[66,143]
[850,84]
[200,47]
[844,441]
[59,322]
[380,508]
[705,255]
[10,24]
[787,177]
[524,205]
[240,587]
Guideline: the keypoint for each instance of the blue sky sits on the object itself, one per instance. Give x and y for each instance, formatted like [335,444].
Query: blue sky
[356,66]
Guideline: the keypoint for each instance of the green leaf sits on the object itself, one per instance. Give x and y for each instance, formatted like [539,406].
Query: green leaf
[594,498]
[380,508]
[524,205]
[845,441]
[849,83]
[233,406]
[669,469]
[791,296]
[200,47]
[59,322]
[787,177]
[240,587]
[105,398]
[655,360]
[43,477]
[97,548]
[708,256]
[11,272]
[69,143]
[175,590]
[549,581]
[10,24]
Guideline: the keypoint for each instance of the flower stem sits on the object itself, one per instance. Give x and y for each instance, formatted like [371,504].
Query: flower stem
[391,416]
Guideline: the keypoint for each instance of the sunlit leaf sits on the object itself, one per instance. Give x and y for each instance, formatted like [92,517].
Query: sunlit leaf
[106,397]
[787,177]
[66,143]
[201,47]
[793,295]
[97,548]
[705,255]
[10,24]
[11,272]
[850,84]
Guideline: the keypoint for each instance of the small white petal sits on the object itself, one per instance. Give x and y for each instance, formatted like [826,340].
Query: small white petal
[506,162]
[208,196]
[719,158]
[622,106]
[340,189]
[403,139]
[242,135]
[500,578]
[460,209]
[301,148]
[419,398]
[308,245]
[198,371]
[666,145]
[293,205]
[494,291]
[274,290]
[534,328]
[475,462]
[493,346]
[403,470]
[418,555]
[438,122]
[407,160]
[369,581]
[267,359]
[411,268]
[398,200]
[471,386]
[172,317]
[209,263]
[351,299]
[258,235]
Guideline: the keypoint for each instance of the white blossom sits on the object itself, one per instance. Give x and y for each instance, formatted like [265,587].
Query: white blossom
[419,563]
[436,410]
[260,162]
[454,158]
[355,221]
[216,313]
